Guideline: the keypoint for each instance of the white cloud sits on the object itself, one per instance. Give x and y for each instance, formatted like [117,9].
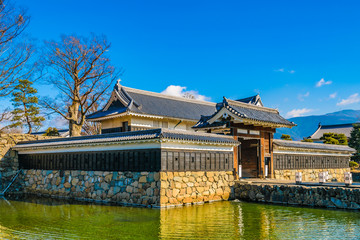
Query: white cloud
[355,98]
[302,97]
[333,95]
[323,82]
[179,91]
[298,112]
[284,70]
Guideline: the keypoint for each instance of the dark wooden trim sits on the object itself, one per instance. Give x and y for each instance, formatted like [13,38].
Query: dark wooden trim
[252,127]
[300,161]
[124,160]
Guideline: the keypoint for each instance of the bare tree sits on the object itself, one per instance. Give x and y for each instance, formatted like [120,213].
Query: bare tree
[5,116]
[93,128]
[80,69]
[13,53]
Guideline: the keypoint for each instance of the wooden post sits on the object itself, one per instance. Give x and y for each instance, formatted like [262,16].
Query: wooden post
[262,155]
[271,136]
[236,166]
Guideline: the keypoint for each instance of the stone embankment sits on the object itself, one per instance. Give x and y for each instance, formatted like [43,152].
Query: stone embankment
[179,188]
[356,176]
[9,164]
[150,189]
[127,188]
[314,196]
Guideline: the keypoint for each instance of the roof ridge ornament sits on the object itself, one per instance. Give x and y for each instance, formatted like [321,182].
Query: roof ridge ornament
[118,84]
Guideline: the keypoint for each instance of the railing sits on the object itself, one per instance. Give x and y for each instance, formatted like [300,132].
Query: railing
[12,181]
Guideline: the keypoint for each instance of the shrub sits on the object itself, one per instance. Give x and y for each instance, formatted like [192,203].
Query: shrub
[353,165]
[286,137]
[307,140]
[51,132]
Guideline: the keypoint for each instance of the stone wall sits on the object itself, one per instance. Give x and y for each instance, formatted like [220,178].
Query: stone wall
[356,176]
[9,164]
[128,188]
[312,175]
[179,188]
[328,197]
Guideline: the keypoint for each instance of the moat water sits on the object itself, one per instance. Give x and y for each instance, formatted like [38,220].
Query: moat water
[51,219]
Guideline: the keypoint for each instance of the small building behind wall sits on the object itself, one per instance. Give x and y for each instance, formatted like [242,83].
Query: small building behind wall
[334,128]
[158,167]
[310,159]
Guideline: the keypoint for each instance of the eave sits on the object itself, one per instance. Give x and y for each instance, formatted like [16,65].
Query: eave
[129,113]
[254,122]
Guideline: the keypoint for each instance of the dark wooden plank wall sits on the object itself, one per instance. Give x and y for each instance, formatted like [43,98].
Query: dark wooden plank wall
[130,160]
[298,161]
[174,160]
[126,160]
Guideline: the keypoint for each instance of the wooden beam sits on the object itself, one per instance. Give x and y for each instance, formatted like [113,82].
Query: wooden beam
[252,127]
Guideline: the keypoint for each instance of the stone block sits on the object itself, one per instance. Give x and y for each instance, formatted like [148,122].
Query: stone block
[175,192]
[200,189]
[188,200]
[169,193]
[129,189]
[142,179]
[108,177]
[170,175]
[164,184]
[177,179]
[200,174]
[157,176]
[163,176]
[219,191]
[149,192]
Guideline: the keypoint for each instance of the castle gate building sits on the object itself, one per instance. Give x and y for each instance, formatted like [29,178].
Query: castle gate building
[247,120]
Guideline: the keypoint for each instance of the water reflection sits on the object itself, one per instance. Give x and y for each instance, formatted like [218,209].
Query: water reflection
[50,219]
[230,220]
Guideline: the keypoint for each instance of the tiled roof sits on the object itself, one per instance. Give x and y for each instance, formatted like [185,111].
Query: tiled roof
[124,99]
[247,111]
[150,103]
[310,145]
[132,136]
[255,100]
[338,128]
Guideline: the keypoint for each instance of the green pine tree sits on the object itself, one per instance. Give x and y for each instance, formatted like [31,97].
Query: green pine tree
[51,132]
[307,140]
[354,141]
[26,112]
[286,137]
[334,138]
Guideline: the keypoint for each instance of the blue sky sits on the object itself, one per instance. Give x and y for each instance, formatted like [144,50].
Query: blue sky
[301,56]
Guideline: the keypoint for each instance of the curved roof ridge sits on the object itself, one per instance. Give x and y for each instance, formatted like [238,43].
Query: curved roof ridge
[312,143]
[246,105]
[334,147]
[157,133]
[161,95]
